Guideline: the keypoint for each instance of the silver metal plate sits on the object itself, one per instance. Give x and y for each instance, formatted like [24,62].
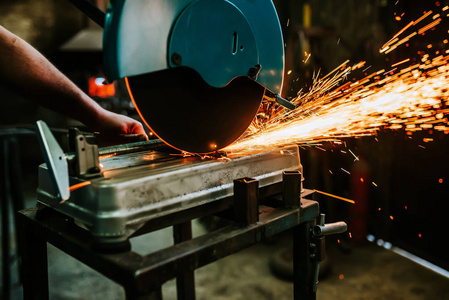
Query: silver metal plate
[141,186]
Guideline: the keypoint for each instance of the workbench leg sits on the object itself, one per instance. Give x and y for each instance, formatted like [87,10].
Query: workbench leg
[303,267]
[4,208]
[34,265]
[132,294]
[185,283]
[18,202]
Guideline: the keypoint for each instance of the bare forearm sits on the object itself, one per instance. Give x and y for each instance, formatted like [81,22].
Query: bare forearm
[32,75]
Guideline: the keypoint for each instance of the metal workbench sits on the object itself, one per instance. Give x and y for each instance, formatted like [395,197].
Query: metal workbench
[143,276]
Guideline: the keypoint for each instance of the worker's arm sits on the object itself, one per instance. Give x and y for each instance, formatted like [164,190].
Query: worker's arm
[32,75]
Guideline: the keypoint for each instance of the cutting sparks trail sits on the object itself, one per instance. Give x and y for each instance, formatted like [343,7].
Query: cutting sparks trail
[413,98]
[336,197]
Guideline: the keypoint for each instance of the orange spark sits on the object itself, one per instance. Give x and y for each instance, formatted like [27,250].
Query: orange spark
[79,185]
[107,156]
[423,17]
[392,40]
[400,63]
[336,197]
[427,27]
[333,108]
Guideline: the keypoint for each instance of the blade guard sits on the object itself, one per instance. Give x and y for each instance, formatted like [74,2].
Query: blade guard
[219,39]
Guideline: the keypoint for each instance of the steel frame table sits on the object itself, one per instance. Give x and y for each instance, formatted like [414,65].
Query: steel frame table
[142,276]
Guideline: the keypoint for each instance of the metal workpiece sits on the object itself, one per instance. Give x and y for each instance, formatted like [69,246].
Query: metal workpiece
[137,187]
[133,147]
[115,150]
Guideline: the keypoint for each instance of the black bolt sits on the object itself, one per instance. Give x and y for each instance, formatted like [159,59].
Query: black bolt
[94,170]
[176,59]
[254,71]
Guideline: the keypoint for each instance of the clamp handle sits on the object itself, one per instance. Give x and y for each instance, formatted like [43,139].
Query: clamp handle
[319,242]
[328,229]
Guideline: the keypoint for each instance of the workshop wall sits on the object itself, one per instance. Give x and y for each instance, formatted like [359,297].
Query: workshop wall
[45,24]
[408,203]
[332,32]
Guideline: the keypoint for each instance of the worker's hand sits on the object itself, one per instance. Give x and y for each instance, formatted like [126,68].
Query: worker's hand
[116,129]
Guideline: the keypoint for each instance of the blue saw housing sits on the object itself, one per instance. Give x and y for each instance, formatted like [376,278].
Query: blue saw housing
[219,39]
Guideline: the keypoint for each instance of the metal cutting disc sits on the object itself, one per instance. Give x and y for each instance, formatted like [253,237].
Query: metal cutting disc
[190,115]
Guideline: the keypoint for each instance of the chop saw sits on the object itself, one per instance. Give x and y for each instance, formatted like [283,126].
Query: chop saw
[196,70]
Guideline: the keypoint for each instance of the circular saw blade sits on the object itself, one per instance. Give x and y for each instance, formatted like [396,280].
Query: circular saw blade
[188,114]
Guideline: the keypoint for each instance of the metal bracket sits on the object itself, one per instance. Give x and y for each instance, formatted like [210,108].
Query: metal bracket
[271,96]
[87,162]
[292,187]
[55,159]
[246,200]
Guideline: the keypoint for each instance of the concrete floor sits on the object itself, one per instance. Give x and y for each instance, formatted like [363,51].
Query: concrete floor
[364,272]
